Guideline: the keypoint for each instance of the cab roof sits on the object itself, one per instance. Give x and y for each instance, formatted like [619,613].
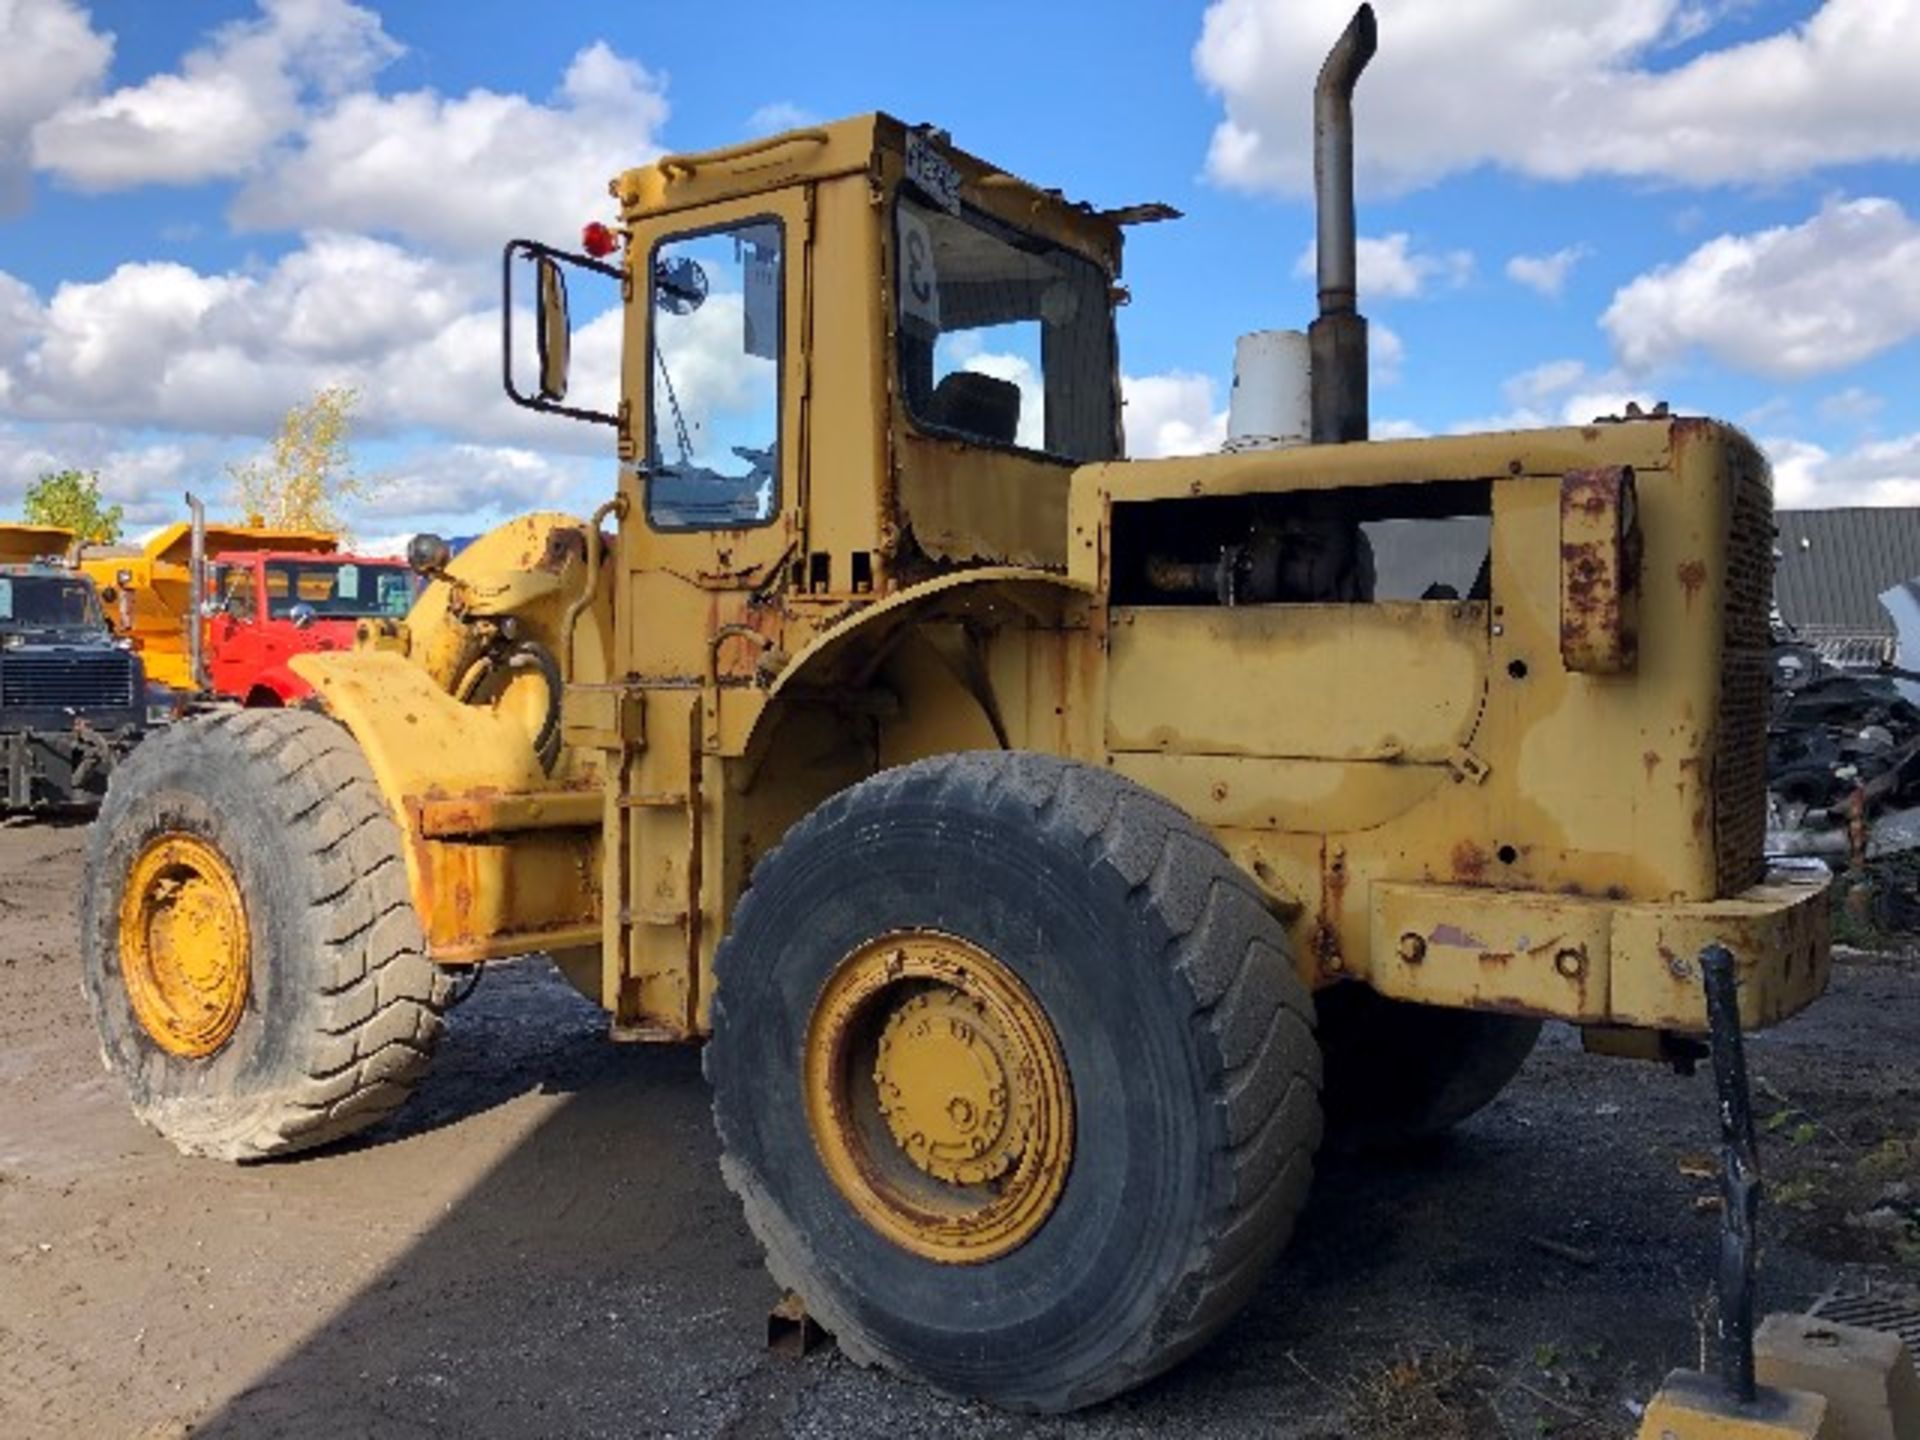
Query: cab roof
[886,148]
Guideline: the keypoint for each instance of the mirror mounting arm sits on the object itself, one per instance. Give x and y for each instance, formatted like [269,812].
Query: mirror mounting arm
[533,250]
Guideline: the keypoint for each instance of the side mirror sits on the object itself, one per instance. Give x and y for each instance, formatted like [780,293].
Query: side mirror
[551,325]
[553,334]
[301,614]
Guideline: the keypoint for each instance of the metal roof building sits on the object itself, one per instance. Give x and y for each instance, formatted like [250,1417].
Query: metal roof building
[1833,567]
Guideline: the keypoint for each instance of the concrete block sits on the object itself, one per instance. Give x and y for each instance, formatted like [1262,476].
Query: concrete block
[1867,1376]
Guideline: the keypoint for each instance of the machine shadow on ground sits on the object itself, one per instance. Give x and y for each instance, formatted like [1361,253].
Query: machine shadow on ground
[598,1278]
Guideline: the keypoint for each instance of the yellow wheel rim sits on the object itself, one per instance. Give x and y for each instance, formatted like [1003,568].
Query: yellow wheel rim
[937,1097]
[183,945]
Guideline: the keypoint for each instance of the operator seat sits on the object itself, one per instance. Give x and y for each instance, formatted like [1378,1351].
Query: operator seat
[983,406]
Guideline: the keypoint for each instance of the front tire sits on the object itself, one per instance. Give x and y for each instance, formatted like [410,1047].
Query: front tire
[1069,957]
[252,956]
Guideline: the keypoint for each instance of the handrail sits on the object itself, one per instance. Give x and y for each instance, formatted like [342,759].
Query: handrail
[684,166]
[569,621]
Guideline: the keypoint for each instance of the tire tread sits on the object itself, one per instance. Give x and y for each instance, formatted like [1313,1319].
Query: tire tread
[1230,957]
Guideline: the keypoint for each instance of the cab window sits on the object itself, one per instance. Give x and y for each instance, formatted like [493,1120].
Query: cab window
[236,592]
[1005,339]
[713,427]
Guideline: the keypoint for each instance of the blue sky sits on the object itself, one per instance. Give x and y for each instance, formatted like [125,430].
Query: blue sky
[207,209]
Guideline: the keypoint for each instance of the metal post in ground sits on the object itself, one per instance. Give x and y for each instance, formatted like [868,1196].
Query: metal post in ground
[1739,1174]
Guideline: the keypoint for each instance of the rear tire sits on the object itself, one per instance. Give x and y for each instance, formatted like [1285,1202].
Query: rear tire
[1399,1073]
[337,1008]
[1185,1034]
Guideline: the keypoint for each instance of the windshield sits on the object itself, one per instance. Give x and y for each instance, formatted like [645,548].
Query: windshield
[1004,338]
[47,601]
[339,590]
[713,443]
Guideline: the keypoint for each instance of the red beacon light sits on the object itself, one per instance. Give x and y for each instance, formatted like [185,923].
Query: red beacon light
[598,240]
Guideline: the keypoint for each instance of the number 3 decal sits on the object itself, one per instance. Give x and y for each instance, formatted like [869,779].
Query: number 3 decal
[919,281]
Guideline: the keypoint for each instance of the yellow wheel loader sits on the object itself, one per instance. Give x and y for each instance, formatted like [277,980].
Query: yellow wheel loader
[1046,847]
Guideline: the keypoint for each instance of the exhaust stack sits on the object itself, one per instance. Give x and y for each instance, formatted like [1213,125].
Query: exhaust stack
[197,591]
[1338,339]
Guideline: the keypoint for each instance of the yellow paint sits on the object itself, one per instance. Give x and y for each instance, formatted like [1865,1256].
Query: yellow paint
[1255,680]
[1416,762]
[184,946]
[20,543]
[1693,1406]
[502,856]
[937,1097]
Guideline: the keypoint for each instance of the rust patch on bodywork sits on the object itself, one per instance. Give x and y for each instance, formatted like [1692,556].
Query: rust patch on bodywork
[1469,862]
[1693,574]
[1599,570]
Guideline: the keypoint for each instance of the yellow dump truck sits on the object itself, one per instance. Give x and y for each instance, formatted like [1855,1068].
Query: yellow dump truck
[1050,849]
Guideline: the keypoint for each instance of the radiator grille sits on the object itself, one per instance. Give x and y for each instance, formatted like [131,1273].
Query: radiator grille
[100,681]
[1740,757]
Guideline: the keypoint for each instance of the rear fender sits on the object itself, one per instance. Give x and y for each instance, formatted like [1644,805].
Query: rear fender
[980,659]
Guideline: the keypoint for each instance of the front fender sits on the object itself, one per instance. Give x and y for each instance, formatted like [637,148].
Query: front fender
[501,858]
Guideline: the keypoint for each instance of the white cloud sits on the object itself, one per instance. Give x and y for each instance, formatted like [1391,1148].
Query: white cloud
[49,56]
[226,105]
[1560,392]
[1547,274]
[146,478]
[1536,386]
[780,115]
[416,482]
[160,345]
[1397,430]
[1564,90]
[472,480]
[465,174]
[1172,414]
[1883,472]
[1852,405]
[1787,303]
[1390,268]
[1386,353]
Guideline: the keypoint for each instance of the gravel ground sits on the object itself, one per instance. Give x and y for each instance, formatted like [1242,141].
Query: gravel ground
[540,1243]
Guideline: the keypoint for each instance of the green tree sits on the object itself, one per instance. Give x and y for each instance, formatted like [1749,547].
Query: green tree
[307,476]
[71,498]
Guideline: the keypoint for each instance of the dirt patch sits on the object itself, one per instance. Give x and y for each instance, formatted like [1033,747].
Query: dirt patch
[540,1243]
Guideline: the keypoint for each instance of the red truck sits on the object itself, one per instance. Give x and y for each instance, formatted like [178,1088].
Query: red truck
[270,605]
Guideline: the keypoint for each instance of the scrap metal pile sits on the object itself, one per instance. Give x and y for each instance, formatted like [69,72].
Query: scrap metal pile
[1843,760]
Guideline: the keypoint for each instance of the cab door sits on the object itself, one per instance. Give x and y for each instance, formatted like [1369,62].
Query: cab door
[716,380]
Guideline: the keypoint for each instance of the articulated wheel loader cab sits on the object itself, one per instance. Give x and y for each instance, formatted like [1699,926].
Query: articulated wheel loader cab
[1004,815]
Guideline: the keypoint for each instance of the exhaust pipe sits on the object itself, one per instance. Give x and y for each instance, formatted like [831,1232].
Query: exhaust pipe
[197,594]
[1338,339]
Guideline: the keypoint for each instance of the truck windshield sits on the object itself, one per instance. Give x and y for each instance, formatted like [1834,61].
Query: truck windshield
[52,601]
[1005,339]
[338,590]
